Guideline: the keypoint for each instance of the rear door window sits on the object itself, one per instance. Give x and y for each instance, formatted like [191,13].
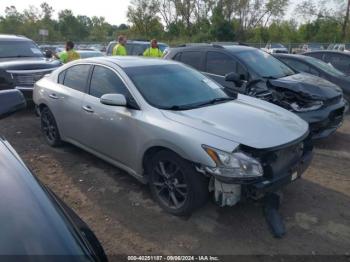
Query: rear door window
[76,77]
[220,64]
[193,58]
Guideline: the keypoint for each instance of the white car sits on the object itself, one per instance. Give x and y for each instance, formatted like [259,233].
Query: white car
[275,49]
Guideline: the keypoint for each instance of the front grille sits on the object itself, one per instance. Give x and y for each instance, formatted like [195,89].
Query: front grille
[28,79]
[280,161]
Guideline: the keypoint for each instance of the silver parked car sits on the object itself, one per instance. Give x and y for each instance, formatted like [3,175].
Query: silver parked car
[173,128]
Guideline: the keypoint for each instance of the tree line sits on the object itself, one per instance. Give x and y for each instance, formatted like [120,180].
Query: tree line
[178,21]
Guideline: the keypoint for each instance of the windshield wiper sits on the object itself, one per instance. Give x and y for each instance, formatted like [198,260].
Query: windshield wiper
[215,101]
[17,56]
[177,107]
[197,105]
[269,77]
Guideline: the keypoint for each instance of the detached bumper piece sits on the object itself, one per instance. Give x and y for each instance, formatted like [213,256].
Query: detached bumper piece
[273,218]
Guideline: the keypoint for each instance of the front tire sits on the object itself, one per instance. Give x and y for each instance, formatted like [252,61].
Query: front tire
[175,184]
[49,128]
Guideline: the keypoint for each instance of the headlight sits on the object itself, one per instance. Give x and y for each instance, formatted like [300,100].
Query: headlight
[233,165]
[312,106]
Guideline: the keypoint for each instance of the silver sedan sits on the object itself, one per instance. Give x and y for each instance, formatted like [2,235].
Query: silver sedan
[173,128]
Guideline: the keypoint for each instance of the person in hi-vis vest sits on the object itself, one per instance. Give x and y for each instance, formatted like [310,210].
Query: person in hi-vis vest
[153,50]
[69,55]
[120,48]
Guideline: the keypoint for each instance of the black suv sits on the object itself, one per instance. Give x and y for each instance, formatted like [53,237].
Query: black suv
[22,63]
[134,48]
[250,71]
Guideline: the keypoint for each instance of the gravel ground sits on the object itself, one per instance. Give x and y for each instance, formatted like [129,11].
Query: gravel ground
[127,221]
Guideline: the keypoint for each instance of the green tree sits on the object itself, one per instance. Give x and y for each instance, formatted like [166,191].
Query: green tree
[221,29]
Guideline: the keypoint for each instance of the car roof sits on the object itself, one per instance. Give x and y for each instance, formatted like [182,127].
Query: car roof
[14,37]
[328,51]
[87,51]
[230,48]
[130,61]
[290,56]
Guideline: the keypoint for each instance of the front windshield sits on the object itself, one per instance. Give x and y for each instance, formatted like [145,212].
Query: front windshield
[264,64]
[10,49]
[174,86]
[324,66]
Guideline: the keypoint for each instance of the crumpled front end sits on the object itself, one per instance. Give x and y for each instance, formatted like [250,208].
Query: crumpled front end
[280,167]
[315,100]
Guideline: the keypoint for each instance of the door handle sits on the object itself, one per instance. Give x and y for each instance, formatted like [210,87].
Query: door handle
[53,96]
[88,109]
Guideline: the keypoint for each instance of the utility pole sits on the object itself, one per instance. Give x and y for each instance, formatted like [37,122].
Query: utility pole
[345,25]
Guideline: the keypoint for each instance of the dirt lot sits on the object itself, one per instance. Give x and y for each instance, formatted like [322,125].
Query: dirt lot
[127,221]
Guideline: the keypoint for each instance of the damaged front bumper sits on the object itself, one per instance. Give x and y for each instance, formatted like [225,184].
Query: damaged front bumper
[276,176]
[325,121]
[259,189]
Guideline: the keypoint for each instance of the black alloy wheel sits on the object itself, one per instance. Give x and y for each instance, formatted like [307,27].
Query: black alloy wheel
[175,184]
[49,128]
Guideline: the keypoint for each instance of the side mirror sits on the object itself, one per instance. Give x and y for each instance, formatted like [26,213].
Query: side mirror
[113,100]
[11,101]
[236,78]
[48,53]
[232,77]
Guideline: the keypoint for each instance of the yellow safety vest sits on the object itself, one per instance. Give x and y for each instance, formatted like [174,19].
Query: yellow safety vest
[153,52]
[69,56]
[119,50]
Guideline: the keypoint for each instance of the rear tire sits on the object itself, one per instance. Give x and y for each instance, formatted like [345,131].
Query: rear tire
[49,128]
[175,184]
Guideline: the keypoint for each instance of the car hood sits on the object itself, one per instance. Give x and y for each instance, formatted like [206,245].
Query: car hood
[308,86]
[28,63]
[246,120]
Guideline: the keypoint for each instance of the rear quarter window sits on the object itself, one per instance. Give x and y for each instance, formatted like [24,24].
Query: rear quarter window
[61,77]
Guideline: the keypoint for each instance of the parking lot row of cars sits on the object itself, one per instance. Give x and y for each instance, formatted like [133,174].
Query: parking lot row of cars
[229,121]
[278,48]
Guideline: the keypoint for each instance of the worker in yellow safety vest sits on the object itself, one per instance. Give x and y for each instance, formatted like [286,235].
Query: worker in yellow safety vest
[69,55]
[153,50]
[120,48]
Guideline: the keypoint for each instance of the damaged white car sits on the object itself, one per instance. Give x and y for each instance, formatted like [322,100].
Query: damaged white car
[173,128]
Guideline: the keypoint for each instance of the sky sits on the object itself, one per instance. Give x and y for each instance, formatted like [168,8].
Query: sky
[113,10]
